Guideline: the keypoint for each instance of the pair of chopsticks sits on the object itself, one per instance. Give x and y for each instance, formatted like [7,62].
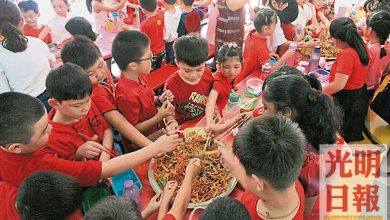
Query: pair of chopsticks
[109,151]
[230,130]
[208,140]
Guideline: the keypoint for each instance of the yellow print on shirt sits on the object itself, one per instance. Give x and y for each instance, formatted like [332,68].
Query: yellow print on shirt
[198,98]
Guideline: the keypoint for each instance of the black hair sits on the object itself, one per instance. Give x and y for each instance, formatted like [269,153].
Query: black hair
[191,49]
[48,195]
[272,148]
[316,114]
[88,3]
[148,5]
[81,27]
[170,2]
[369,5]
[345,30]
[229,50]
[290,13]
[66,1]
[68,82]
[188,2]
[10,17]
[129,46]
[18,115]
[264,17]
[115,208]
[81,51]
[28,5]
[379,21]
[225,208]
[268,2]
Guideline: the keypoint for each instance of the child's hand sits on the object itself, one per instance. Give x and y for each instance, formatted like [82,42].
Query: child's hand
[167,143]
[227,158]
[172,126]
[242,117]
[154,204]
[169,192]
[167,109]
[313,43]
[288,54]
[193,168]
[167,95]
[274,56]
[89,150]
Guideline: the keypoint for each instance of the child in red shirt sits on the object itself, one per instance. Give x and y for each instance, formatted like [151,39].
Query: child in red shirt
[192,83]
[272,188]
[153,27]
[30,12]
[21,151]
[256,51]
[136,101]
[75,119]
[348,77]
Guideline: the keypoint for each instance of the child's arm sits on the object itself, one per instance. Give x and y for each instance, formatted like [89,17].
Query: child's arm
[166,110]
[183,197]
[283,59]
[210,108]
[125,162]
[337,85]
[46,30]
[202,3]
[323,18]
[153,206]
[97,6]
[132,5]
[169,191]
[220,128]
[126,129]
[235,5]
[108,141]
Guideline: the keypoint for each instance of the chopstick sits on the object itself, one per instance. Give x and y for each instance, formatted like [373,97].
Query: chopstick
[201,120]
[109,151]
[230,130]
[209,136]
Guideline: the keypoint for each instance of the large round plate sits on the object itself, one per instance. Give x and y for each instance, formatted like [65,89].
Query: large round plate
[156,187]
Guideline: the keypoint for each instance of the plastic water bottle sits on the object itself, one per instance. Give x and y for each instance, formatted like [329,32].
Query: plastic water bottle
[291,60]
[314,59]
[265,70]
[131,190]
[234,103]
[298,30]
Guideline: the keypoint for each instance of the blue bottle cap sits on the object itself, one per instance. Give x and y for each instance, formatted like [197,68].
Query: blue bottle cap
[234,97]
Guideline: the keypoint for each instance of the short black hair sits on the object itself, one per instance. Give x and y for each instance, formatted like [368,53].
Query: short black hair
[68,82]
[191,49]
[29,5]
[229,50]
[188,2]
[48,195]
[115,208]
[81,51]
[148,5]
[225,208]
[170,2]
[80,26]
[264,17]
[18,115]
[272,148]
[129,46]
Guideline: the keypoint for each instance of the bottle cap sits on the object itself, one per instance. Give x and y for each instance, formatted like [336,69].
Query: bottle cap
[128,183]
[267,65]
[293,46]
[234,97]
[115,14]
[317,48]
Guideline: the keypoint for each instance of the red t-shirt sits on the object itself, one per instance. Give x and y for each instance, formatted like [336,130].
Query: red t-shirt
[154,28]
[29,31]
[250,201]
[255,54]
[103,97]
[65,139]
[136,101]
[222,85]
[288,30]
[190,100]
[348,63]
[169,217]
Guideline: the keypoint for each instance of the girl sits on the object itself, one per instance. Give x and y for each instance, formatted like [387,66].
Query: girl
[229,64]
[25,60]
[377,31]
[80,26]
[348,77]
[320,16]
[99,11]
[289,94]
[56,25]
[368,7]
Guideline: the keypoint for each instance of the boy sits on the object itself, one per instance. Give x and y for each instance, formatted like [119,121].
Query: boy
[192,83]
[49,195]
[23,132]
[190,19]
[83,52]
[172,16]
[30,12]
[75,119]
[271,150]
[153,27]
[225,208]
[136,101]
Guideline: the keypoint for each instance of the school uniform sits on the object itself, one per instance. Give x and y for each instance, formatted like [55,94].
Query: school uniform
[353,98]
[169,217]
[154,28]
[65,139]
[222,85]
[190,100]
[32,32]
[378,65]
[103,97]
[57,28]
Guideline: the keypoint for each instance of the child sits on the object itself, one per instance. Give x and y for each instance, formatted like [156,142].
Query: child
[153,27]
[136,101]
[192,83]
[22,152]
[377,32]
[99,11]
[49,195]
[183,196]
[172,16]
[368,7]
[31,14]
[321,18]
[83,52]
[75,119]
[56,26]
[256,52]
[196,16]
[259,145]
[348,77]
[81,27]
[304,16]
[225,208]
